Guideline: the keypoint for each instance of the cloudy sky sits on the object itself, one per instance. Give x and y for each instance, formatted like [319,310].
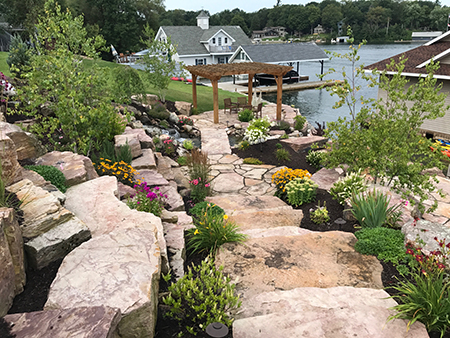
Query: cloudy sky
[247,5]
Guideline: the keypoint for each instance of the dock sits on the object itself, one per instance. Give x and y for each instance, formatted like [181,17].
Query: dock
[241,86]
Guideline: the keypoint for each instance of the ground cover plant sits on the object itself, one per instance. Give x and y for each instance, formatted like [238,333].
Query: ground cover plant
[51,174]
[320,215]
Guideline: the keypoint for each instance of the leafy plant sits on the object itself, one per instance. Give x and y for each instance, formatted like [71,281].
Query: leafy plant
[169,148]
[299,122]
[183,120]
[201,208]
[284,136]
[245,115]
[350,184]
[199,169]
[123,153]
[125,82]
[19,55]
[199,189]
[284,176]
[279,146]
[158,111]
[316,158]
[182,160]
[252,160]
[201,297]
[211,231]
[282,125]
[147,199]
[244,145]
[300,191]
[282,155]
[188,145]
[320,215]
[124,172]
[51,174]
[257,130]
[384,243]
[372,209]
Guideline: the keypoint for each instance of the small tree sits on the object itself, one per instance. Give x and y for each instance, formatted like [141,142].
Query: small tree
[158,63]
[19,55]
[384,137]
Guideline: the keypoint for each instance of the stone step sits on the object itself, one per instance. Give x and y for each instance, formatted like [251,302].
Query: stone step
[319,313]
[146,161]
[267,219]
[239,204]
[215,141]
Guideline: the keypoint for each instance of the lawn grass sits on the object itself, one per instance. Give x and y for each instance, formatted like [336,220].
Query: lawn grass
[178,91]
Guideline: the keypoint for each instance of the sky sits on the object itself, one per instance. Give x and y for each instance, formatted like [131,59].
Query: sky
[247,5]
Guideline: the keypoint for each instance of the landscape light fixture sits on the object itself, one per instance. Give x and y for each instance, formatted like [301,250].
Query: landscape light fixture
[217,330]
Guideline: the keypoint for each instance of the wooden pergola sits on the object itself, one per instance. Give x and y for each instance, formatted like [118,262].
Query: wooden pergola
[216,71]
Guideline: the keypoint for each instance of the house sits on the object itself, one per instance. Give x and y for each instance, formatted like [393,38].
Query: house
[437,49]
[269,32]
[319,30]
[203,44]
[424,36]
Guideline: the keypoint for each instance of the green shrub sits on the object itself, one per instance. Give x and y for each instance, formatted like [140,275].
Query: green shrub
[108,150]
[387,244]
[316,158]
[299,122]
[244,145]
[371,210]
[282,155]
[182,160]
[211,231]
[19,56]
[148,199]
[188,144]
[279,145]
[345,187]
[51,174]
[164,124]
[245,115]
[201,208]
[158,111]
[284,137]
[201,297]
[125,82]
[320,215]
[300,191]
[252,160]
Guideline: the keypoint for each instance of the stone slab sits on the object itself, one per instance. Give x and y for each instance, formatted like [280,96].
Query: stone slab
[228,183]
[129,139]
[7,274]
[236,204]
[321,313]
[230,159]
[278,231]
[11,169]
[215,141]
[146,161]
[259,190]
[313,260]
[325,178]
[174,199]
[223,167]
[84,322]
[266,219]
[256,174]
[426,231]
[300,143]
[152,177]
[145,140]
[26,144]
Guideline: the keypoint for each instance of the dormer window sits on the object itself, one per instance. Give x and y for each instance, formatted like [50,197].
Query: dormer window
[213,41]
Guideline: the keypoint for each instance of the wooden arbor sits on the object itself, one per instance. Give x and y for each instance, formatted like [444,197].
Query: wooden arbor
[216,71]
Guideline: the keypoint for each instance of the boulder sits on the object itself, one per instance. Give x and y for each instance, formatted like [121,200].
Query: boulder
[321,313]
[27,145]
[145,140]
[309,260]
[11,169]
[42,211]
[146,161]
[325,178]
[174,199]
[76,168]
[152,177]
[7,273]
[83,322]
[426,231]
[132,140]
[184,108]
[56,243]
[173,118]
[300,143]
[13,234]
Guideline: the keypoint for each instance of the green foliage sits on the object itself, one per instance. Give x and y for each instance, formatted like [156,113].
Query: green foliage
[300,191]
[125,83]
[211,231]
[286,175]
[188,144]
[244,145]
[299,122]
[82,117]
[201,208]
[108,150]
[350,184]
[384,136]
[425,299]
[147,199]
[284,137]
[245,115]
[320,215]
[257,130]
[51,174]
[158,111]
[316,158]
[201,297]
[252,160]
[387,244]
[282,155]
[279,145]
[282,125]
[182,160]
[124,154]
[199,169]
[372,209]
[19,55]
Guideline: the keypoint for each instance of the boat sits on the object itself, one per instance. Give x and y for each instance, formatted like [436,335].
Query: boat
[290,77]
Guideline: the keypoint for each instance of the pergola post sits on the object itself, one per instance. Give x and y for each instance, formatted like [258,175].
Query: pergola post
[194,90]
[250,88]
[279,80]
[215,99]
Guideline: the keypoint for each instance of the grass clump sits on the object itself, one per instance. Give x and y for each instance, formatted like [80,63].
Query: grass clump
[252,160]
[282,155]
[51,174]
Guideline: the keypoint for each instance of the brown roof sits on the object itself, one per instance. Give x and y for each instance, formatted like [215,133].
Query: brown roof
[417,56]
[216,71]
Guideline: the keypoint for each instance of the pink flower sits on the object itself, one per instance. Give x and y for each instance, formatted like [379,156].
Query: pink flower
[207,185]
[194,182]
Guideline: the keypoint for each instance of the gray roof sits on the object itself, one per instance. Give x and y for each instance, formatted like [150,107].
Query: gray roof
[187,38]
[285,52]
[202,15]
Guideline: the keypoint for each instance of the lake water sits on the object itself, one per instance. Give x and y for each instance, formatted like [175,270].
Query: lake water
[316,104]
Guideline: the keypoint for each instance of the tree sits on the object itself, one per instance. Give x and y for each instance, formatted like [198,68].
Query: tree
[81,118]
[158,63]
[383,137]
[239,21]
[331,15]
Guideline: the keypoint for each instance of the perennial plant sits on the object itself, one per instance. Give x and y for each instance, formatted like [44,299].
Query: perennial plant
[284,176]
[148,199]
[300,191]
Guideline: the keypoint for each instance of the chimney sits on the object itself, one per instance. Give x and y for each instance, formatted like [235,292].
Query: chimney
[203,20]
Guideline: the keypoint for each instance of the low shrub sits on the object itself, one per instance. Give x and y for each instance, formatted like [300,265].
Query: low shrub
[123,171]
[245,115]
[320,215]
[257,130]
[201,208]
[126,82]
[188,144]
[252,160]
[299,122]
[51,174]
[386,244]
[211,231]
[282,155]
[284,137]
[316,158]
[284,176]
[158,111]
[182,160]
[169,148]
[19,56]
[201,297]
[199,189]
[147,199]
[300,191]
[281,125]
[199,169]
[244,145]
[279,146]
[345,187]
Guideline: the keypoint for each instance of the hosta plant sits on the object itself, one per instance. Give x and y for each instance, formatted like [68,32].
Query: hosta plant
[345,187]
[147,199]
[300,191]
[316,158]
[201,297]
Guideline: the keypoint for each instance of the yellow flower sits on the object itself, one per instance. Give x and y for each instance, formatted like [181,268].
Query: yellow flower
[196,232]
[225,216]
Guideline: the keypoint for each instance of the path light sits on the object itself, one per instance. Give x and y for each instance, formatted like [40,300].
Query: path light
[217,330]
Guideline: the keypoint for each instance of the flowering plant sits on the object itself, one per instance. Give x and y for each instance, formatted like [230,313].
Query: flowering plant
[123,171]
[301,190]
[199,189]
[212,229]
[183,120]
[257,130]
[147,199]
[432,263]
[5,86]
[169,147]
[284,176]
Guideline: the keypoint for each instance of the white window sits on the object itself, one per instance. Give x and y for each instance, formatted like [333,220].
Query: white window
[219,41]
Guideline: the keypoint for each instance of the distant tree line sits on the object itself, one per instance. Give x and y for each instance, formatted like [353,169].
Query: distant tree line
[122,22]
